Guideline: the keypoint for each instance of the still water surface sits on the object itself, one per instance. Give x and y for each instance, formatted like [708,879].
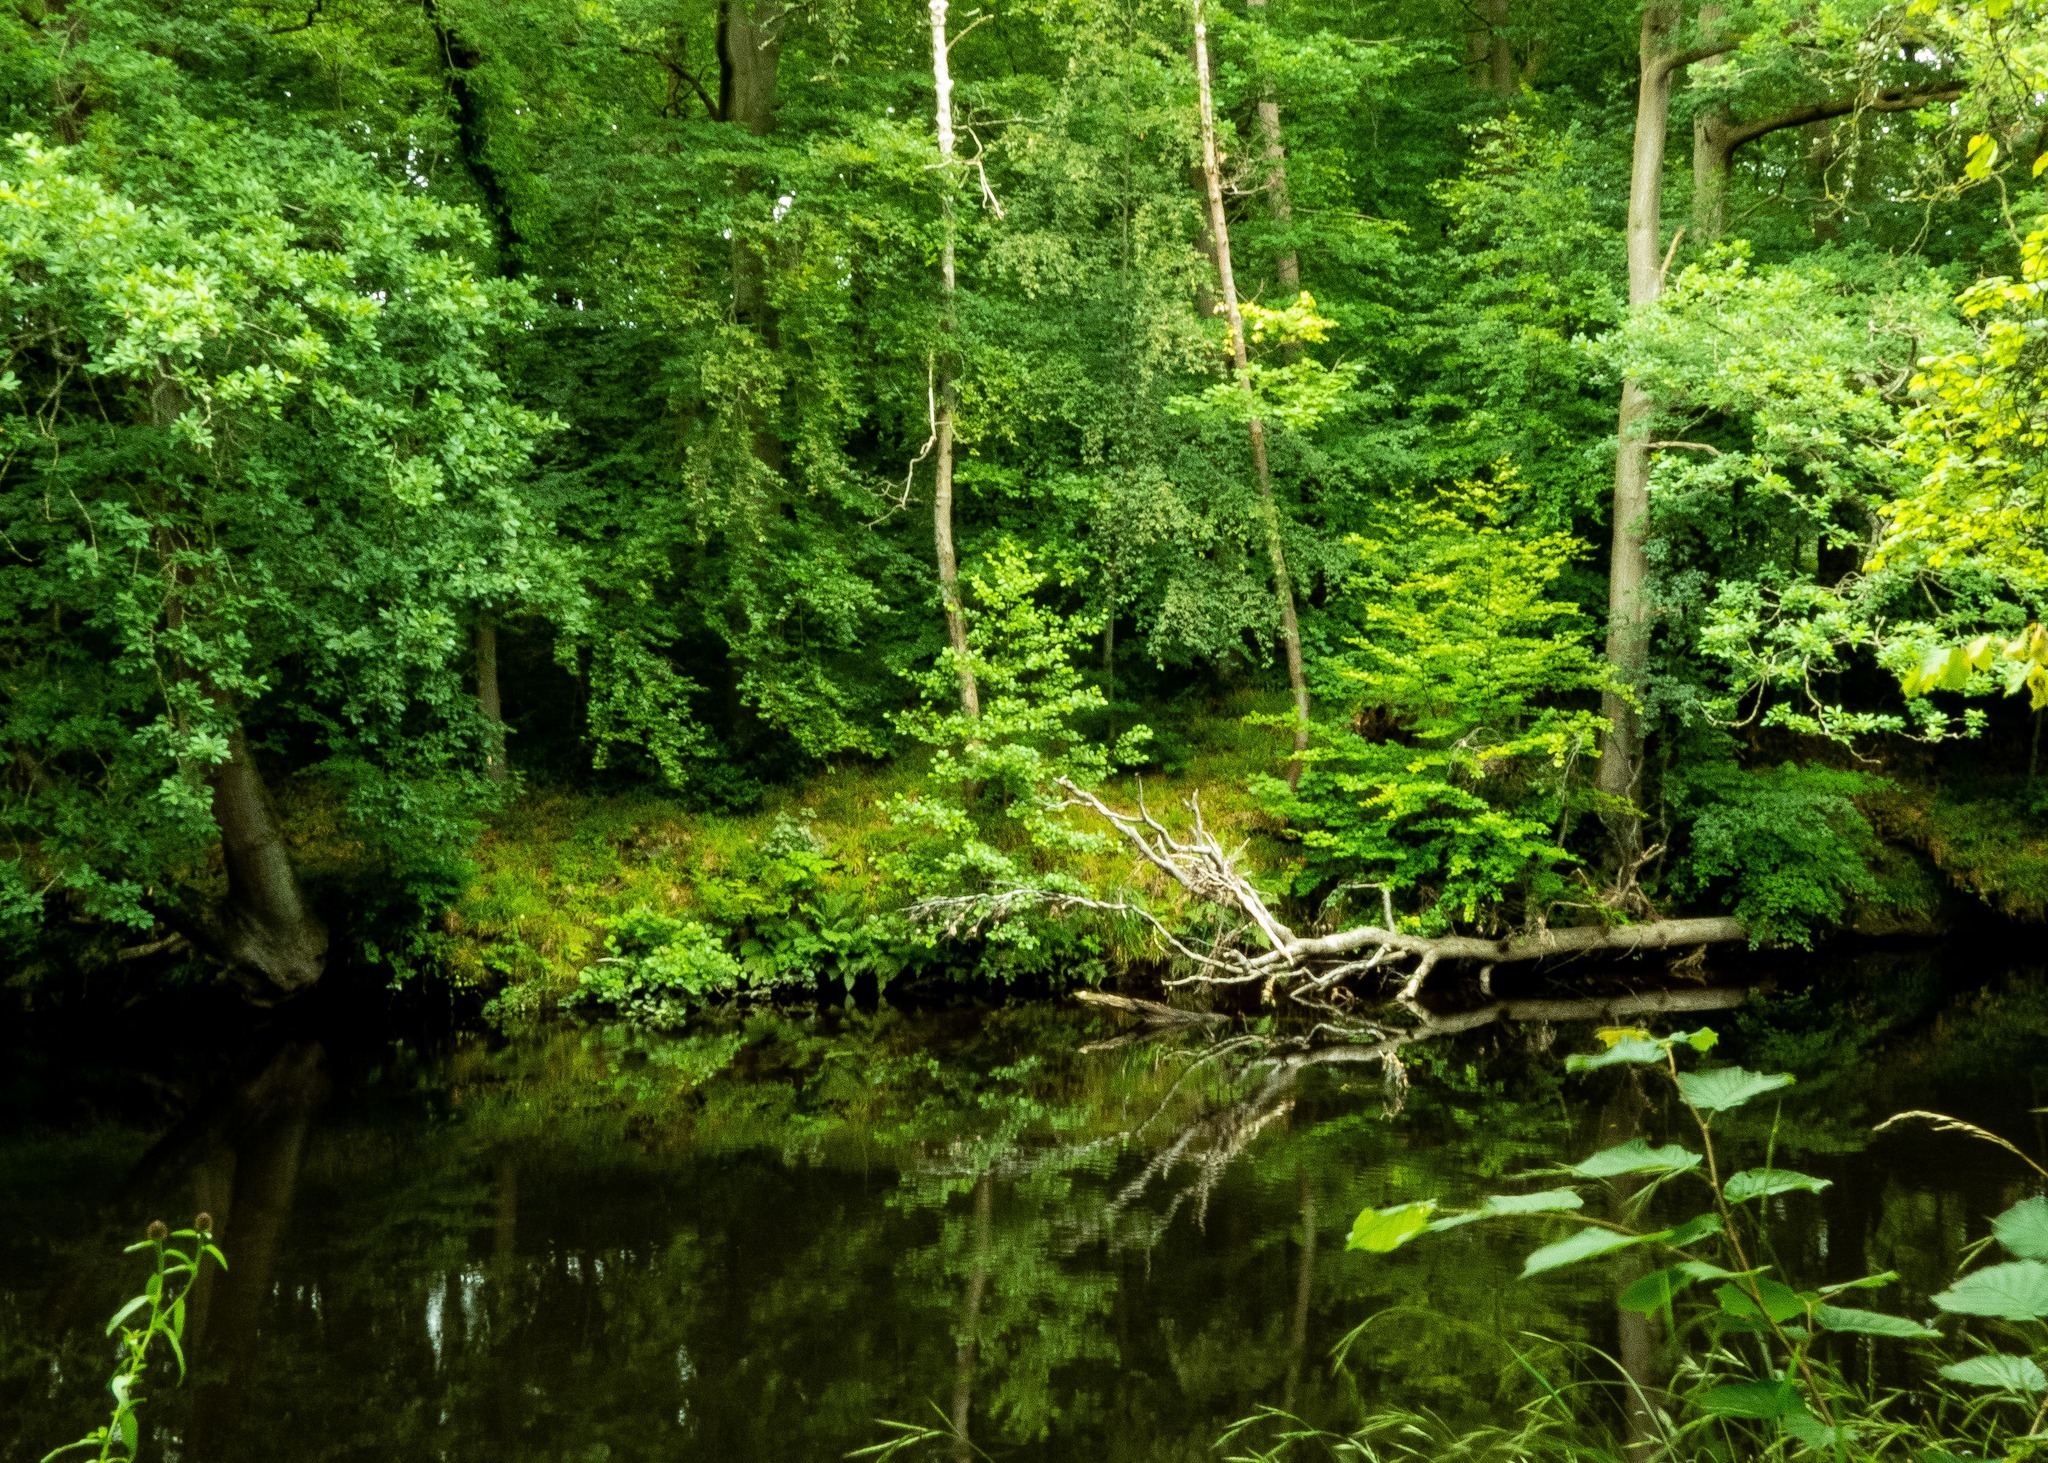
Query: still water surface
[756,1241]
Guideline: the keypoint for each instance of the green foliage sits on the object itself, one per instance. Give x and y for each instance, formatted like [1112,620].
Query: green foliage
[1461,686]
[156,1314]
[1786,847]
[1756,1364]
[993,821]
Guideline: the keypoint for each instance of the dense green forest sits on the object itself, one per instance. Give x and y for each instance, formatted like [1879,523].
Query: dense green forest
[635,500]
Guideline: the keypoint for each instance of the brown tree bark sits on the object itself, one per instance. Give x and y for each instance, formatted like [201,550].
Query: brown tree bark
[1269,512]
[1500,60]
[1286,263]
[488,701]
[1628,620]
[1717,135]
[266,926]
[945,368]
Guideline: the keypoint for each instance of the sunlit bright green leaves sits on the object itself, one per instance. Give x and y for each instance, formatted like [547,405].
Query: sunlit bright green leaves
[2014,1291]
[1381,1231]
[1757,1183]
[2023,1229]
[2004,1372]
[1637,1156]
[1725,1088]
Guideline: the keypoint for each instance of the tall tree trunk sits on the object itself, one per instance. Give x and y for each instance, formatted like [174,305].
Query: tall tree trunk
[946,369]
[1628,619]
[1500,60]
[459,61]
[1219,228]
[267,925]
[487,699]
[1713,148]
[1286,263]
[749,54]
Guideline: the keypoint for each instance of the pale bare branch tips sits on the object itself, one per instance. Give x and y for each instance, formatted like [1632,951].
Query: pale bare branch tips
[1305,968]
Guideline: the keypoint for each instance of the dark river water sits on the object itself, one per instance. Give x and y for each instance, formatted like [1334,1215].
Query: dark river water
[762,1240]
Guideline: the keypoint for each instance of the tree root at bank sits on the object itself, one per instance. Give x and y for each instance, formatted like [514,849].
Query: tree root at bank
[1306,968]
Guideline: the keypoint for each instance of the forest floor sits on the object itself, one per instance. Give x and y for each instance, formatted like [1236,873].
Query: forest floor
[552,878]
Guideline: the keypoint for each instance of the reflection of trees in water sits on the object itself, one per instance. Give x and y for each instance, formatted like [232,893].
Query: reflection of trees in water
[752,1246]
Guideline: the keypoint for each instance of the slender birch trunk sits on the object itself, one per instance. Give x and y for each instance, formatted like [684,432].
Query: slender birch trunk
[1269,512]
[946,390]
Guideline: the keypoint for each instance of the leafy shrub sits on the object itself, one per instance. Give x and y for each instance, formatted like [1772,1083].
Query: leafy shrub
[659,969]
[1452,769]
[1767,1368]
[1784,847]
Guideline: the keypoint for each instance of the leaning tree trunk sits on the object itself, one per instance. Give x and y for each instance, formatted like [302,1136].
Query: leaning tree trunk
[946,369]
[1269,512]
[266,926]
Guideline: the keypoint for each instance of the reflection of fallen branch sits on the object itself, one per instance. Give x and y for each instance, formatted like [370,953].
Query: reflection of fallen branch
[1151,1011]
[1617,1008]
[1213,1139]
[1207,871]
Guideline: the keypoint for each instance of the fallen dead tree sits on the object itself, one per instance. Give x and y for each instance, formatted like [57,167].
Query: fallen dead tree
[1258,948]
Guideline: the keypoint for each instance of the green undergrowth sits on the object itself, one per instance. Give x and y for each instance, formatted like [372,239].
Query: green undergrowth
[644,904]
[1986,838]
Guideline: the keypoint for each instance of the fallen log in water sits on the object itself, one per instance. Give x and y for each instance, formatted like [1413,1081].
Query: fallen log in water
[1204,869]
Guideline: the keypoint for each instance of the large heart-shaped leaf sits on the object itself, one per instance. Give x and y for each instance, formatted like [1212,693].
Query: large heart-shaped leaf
[1581,1246]
[2023,1229]
[1753,1399]
[1380,1231]
[1495,1206]
[2014,1291]
[1637,1156]
[2007,1373]
[1869,1323]
[1780,1302]
[1728,1087]
[1758,1183]
[1631,1049]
